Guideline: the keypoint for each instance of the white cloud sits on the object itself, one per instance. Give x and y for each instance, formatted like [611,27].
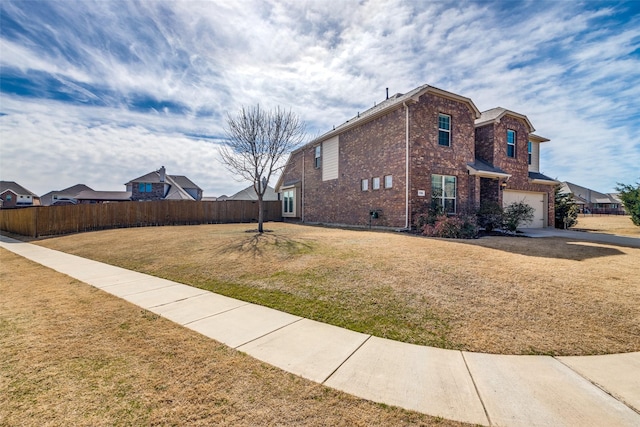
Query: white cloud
[567,67]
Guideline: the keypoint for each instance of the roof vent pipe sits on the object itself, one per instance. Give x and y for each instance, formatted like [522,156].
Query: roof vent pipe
[387,93]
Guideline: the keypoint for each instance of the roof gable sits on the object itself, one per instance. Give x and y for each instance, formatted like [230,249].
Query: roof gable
[494,115]
[392,103]
[15,188]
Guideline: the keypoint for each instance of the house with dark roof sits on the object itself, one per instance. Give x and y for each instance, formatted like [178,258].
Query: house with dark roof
[593,202]
[13,195]
[249,193]
[158,185]
[63,197]
[413,151]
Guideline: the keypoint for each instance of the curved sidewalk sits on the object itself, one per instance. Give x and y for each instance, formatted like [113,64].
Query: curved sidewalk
[477,388]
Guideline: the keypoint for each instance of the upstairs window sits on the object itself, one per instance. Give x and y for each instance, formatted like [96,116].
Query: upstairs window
[388,181]
[317,160]
[364,185]
[444,130]
[144,187]
[443,193]
[529,146]
[511,143]
[375,183]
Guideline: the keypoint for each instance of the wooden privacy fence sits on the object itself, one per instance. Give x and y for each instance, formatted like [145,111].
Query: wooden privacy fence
[52,220]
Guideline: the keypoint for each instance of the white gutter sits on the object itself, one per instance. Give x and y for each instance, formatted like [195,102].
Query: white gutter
[406,137]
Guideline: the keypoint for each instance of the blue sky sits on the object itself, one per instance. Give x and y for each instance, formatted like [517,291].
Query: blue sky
[102,92]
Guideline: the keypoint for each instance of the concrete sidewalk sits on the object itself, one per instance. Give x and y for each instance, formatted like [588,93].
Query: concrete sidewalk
[632,242]
[476,388]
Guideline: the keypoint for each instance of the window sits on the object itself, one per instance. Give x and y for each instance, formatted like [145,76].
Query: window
[364,184]
[443,192]
[444,130]
[288,203]
[317,162]
[529,146]
[388,181]
[511,143]
[8,197]
[375,183]
[144,187]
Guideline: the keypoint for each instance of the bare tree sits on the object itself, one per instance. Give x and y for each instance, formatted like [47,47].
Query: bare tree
[257,141]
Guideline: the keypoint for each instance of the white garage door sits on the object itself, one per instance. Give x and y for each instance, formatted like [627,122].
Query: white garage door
[535,200]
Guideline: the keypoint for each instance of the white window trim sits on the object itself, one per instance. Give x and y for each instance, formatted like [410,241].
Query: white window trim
[515,140]
[364,184]
[443,197]
[388,181]
[375,183]
[448,131]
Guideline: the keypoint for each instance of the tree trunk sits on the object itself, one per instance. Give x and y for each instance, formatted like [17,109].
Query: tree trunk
[260,214]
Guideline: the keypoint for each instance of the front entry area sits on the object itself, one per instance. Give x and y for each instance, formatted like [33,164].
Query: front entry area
[535,200]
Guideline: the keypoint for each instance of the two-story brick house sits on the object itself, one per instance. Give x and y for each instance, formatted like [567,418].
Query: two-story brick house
[397,158]
[158,185]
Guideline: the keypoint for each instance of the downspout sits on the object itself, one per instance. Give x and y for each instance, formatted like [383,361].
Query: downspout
[302,189]
[406,137]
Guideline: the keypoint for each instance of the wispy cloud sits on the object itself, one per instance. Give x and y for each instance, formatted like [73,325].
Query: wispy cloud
[120,85]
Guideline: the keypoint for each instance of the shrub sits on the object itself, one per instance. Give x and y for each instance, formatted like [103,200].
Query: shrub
[630,197]
[490,215]
[463,226]
[566,209]
[515,214]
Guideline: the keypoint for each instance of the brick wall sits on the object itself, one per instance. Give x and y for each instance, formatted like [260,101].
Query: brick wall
[427,157]
[157,192]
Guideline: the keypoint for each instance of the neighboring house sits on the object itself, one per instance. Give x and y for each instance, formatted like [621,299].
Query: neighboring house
[13,195]
[63,197]
[92,197]
[158,185]
[249,193]
[593,202]
[425,147]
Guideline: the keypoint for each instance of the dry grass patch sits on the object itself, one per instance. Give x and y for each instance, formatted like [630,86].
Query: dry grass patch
[499,295]
[620,225]
[73,355]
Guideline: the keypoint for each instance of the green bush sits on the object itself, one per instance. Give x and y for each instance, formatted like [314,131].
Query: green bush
[630,197]
[490,216]
[566,209]
[463,226]
[516,214]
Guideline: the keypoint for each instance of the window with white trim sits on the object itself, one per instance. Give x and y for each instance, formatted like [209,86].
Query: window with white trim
[317,158]
[444,130]
[375,183]
[511,143]
[364,185]
[443,192]
[388,181]
[288,205]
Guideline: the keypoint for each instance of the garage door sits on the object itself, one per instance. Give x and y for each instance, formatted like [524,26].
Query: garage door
[535,200]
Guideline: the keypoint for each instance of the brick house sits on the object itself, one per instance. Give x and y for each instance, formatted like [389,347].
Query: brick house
[158,185]
[14,195]
[394,160]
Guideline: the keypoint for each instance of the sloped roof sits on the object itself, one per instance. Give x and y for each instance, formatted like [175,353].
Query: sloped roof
[495,114]
[482,168]
[585,194]
[176,192]
[68,193]
[250,194]
[16,188]
[541,178]
[107,196]
[390,104]
[184,182]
